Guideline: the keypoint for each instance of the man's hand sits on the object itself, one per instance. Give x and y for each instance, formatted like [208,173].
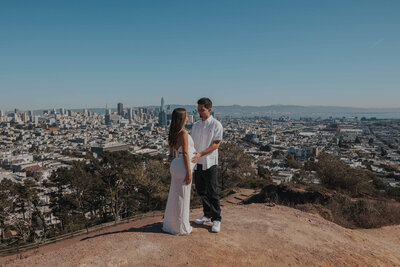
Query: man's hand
[196,158]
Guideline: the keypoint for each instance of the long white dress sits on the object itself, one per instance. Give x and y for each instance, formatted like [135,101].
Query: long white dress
[176,215]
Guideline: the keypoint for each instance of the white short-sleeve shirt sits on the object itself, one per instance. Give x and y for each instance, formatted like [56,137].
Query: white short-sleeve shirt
[204,133]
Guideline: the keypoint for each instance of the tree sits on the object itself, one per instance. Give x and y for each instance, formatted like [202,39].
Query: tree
[301,177]
[291,162]
[234,165]
[6,203]
[310,165]
[383,152]
[262,169]
[23,196]
[74,195]
[264,175]
[371,141]
[277,153]
[111,173]
[265,148]
[33,149]
[335,174]
[151,180]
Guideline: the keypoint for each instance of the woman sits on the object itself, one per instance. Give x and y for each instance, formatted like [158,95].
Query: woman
[181,146]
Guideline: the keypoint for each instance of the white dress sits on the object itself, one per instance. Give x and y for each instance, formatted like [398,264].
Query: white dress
[176,216]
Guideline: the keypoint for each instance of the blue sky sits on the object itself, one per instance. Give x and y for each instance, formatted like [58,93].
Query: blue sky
[76,54]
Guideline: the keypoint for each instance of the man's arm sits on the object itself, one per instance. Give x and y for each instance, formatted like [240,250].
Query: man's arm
[211,148]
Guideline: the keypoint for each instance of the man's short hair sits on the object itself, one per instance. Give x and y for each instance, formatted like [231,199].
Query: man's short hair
[205,101]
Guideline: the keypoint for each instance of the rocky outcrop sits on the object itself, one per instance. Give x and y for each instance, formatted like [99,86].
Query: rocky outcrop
[288,195]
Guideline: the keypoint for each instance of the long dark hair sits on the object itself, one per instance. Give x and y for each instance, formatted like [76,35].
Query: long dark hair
[177,123]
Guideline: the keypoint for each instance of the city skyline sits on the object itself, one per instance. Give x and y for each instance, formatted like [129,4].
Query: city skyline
[77,55]
[115,107]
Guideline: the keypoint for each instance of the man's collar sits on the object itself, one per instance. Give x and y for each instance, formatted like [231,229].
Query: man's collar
[207,121]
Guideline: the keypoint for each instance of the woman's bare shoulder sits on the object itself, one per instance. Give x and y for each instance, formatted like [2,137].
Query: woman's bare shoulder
[183,133]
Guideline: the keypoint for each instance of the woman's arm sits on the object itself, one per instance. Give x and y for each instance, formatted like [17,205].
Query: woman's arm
[186,160]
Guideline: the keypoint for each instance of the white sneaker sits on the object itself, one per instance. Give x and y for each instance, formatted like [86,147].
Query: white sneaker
[203,220]
[216,226]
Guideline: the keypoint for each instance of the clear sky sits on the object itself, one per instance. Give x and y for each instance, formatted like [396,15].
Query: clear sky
[76,54]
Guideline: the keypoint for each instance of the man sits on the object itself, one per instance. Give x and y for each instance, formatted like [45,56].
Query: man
[207,136]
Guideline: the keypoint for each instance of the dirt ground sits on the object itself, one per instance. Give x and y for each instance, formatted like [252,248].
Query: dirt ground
[251,235]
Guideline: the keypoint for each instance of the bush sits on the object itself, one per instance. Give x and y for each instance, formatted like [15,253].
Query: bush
[335,174]
[254,183]
[394,192]
[336,207]
[364,213]
[316,209]
[291,162]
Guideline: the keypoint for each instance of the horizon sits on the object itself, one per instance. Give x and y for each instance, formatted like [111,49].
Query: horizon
[257,53]
[231,105]
[228,105]
[114,107]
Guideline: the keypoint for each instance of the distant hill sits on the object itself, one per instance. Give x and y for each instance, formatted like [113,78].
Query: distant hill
[294,111]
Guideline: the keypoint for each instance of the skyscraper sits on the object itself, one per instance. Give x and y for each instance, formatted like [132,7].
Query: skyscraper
[131,115]
[162,116]
[30,114]
[107,115]
[24,117]
[120,109]
[36,120]
[162,103]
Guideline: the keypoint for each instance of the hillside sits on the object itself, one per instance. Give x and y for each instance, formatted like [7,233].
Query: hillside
[254,234]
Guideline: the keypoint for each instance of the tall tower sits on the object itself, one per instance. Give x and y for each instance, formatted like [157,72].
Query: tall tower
[162,103]
[107,115]
[120,109]
[131,112]
[162,116]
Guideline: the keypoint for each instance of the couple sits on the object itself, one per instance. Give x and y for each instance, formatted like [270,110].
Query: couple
[196,152]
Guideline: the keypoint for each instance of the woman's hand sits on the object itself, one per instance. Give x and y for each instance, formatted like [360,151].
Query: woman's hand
[196,157]
[188,178]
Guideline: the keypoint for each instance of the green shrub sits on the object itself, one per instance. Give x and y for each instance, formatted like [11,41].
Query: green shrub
[336,174]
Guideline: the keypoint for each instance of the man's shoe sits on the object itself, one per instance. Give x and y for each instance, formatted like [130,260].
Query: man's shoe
[216,226]
[203,220]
